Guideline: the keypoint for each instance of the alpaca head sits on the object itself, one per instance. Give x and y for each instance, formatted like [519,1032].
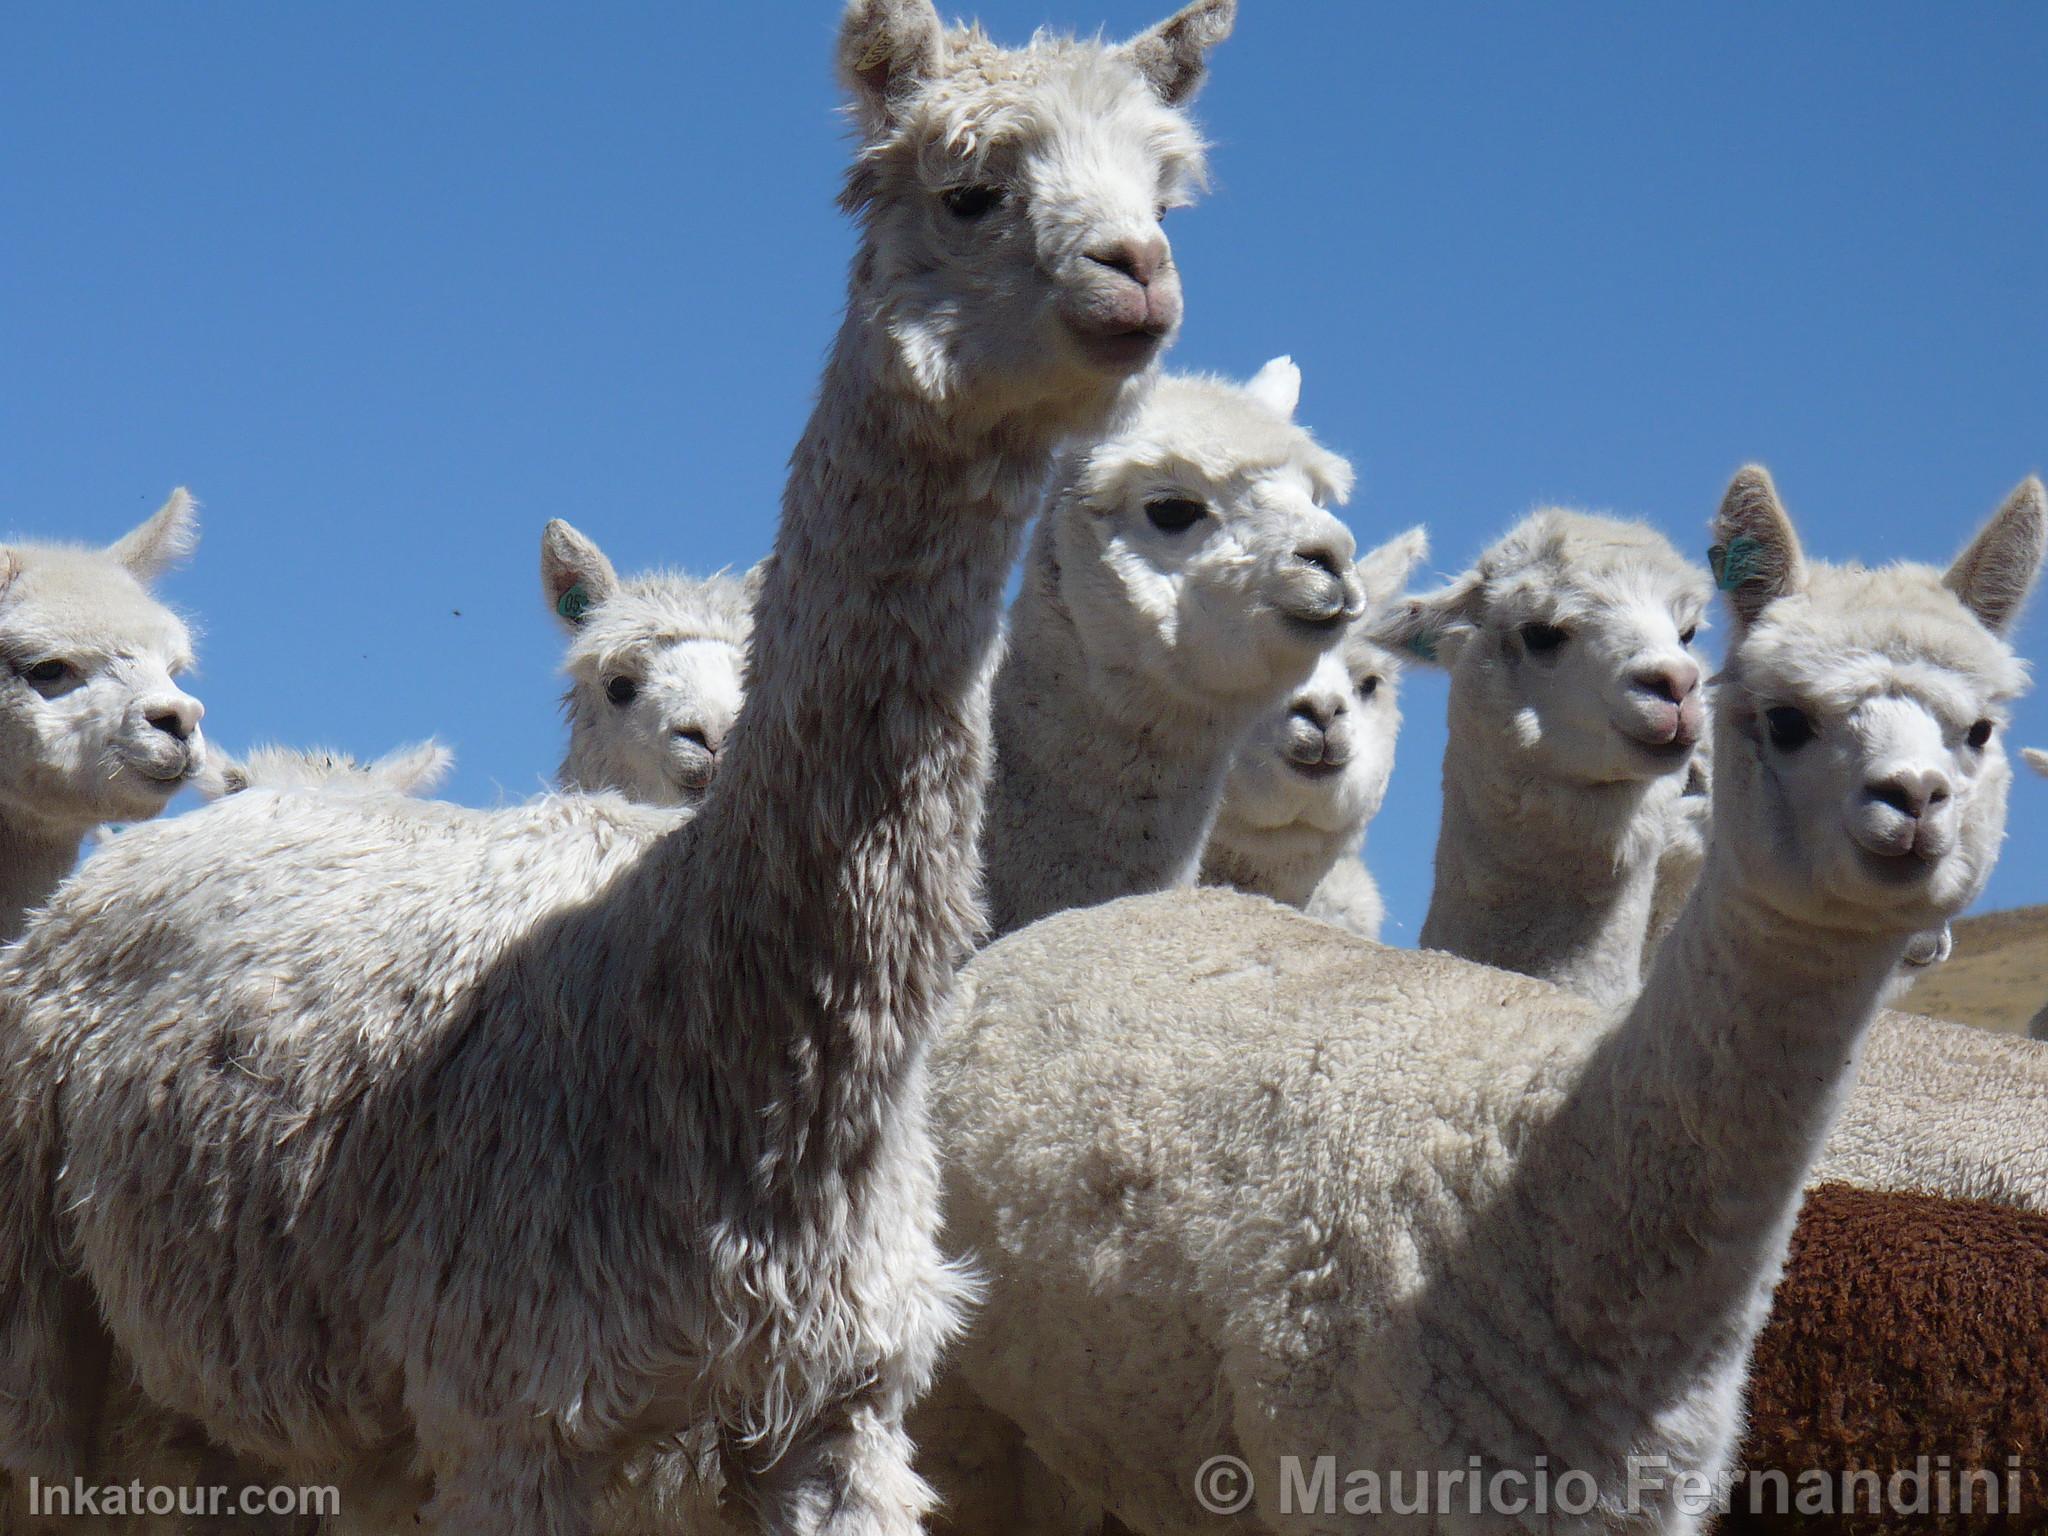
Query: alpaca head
[656,668]
[413,770]
[1570,647]
[1193,548]
[1011,199]
[1860,776]
[93,724]
[1321,762]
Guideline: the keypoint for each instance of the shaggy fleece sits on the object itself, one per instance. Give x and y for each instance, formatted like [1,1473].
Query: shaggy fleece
[1906,1326]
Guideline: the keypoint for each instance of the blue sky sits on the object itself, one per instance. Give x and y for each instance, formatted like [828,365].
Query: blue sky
[390,285]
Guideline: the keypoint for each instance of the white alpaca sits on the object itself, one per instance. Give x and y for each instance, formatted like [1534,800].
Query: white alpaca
[1945,1108]
[1314,772]
[1183,578]
[1575,706]
[1246,1186]
[93,725]
[504,1147]
[656,670]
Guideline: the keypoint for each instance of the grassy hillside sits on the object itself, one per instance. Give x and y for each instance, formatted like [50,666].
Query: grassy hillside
[1998,976]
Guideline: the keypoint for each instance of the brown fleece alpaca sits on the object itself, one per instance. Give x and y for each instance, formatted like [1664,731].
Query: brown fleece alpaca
[1906,1326]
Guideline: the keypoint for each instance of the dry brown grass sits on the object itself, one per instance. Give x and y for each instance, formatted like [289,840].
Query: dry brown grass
[1998,976]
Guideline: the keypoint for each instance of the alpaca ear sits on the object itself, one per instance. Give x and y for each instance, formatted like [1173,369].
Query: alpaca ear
[1384,572]
[1432,628]
[415,769]
[160,543]
[1755,555]
[574,574]
[2036,760]
[1277,387]
[1995,574]
[220,775]
[1174,56]
[887,49]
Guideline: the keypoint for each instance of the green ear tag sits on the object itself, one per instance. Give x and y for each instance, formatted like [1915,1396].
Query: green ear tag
[573,604]
[1734,562]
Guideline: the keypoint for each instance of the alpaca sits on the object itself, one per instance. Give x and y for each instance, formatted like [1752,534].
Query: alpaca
[1183,578]
[1245,1186]
[656,670]
[94,727]
[1575,706]
[1943,1108]
[501,1147]
[1905,1338]
[1315,771]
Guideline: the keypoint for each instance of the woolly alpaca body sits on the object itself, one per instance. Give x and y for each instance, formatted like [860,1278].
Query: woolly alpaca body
[1905,1335]
[1945,1109]
[1244,1185]
[1314,773]
[669,1075]
[1574,708]
[656,665]
[93,725]
[1183,578]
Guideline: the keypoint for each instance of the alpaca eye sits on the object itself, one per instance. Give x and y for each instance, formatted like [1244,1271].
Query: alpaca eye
[622,690]
[1980,735]
[1687,635]
[1543,638]
[1789,727]
[971,202]
[47,674]
[1174,514]
[1368,686]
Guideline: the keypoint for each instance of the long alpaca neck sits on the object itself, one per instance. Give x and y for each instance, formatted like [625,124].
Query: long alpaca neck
[32,862]
[831,878]
[1549,880]
[1104,786]
[1650,1209]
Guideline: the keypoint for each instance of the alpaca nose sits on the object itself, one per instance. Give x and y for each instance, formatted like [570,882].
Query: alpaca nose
[1319,710]
[1137,257]
[1323,559]
[177,718]
[1672,681]
[1912,792]
[697,736]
